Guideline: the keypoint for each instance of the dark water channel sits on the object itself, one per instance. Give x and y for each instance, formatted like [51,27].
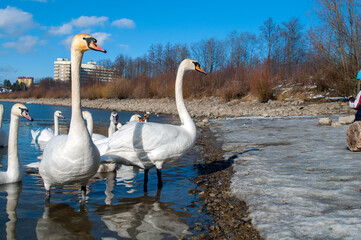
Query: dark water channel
[116,207]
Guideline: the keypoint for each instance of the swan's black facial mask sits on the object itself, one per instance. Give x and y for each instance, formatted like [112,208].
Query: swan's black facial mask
[92,44]
[198,68]
[25,113]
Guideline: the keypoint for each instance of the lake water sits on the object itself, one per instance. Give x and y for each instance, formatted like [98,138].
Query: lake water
[116,207]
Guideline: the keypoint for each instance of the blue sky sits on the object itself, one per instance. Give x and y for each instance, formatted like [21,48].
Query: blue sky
[33,33]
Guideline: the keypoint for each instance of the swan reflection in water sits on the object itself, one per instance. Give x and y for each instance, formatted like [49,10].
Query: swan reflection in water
[144,217]
[124,175]
[3,153]
[13,191]
[61,221]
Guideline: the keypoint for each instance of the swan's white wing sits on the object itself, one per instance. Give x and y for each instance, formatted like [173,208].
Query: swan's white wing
[43,135]
[153,142]
[145,136]
[102,145]
[98,137]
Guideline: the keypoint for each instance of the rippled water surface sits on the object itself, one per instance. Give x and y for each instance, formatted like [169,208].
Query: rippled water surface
[116,208]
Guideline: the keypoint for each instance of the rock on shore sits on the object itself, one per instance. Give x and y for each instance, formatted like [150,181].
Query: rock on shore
[353,137]
[211,107]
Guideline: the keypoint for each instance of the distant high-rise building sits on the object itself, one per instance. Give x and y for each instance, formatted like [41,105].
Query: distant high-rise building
[62,70]
[28,81]
[89,71]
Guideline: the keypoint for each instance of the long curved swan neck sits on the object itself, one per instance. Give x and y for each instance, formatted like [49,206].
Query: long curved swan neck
[56,125]
[13,158]
[76,57]
[89,126]
[89,121]
[181,108]
[1,115]
[111,129]
[76,122]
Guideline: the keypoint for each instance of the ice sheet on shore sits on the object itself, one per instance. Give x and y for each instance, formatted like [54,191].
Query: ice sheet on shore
[299,179]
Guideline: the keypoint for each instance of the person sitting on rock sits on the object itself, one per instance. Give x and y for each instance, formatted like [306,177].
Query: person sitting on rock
[355,104]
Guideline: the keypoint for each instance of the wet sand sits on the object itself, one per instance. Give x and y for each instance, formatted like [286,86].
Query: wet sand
[230,215]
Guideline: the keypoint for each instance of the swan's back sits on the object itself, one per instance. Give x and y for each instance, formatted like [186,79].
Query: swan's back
[42,135]
[98,137]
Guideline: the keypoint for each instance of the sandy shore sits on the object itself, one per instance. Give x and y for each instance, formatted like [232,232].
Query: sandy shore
[207,107]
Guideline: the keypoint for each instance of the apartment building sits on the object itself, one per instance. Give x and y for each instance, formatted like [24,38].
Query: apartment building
[28,81]
[89,71]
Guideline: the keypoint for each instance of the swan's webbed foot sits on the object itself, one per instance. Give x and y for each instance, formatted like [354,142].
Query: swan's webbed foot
[83,192]
[159,175]
[47,196]
[145,187]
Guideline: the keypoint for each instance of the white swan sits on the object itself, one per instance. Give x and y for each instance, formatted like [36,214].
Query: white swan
[3,135]
[135,118]
[112,126]
[14,172]
[146,117]
[113,123]
[151,144]
[101,141]
[44,135]
[88,117]
[72,158]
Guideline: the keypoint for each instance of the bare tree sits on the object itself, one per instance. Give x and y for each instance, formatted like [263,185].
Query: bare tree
[294,45]
[155,54]
[242,50]
[270,34]
[210,53]
[105,63]
[337,38]
[119,64]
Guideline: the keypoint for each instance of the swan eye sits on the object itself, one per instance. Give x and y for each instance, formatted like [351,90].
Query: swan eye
[90,40]
[91,43]
[23,109]
[197,67]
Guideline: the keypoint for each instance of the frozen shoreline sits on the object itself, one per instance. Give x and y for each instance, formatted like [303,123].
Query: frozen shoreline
[207,107]
[298,178]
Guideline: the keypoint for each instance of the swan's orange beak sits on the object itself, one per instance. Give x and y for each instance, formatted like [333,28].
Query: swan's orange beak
[26,115]
[61,116]
[200,70]
[95,47]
